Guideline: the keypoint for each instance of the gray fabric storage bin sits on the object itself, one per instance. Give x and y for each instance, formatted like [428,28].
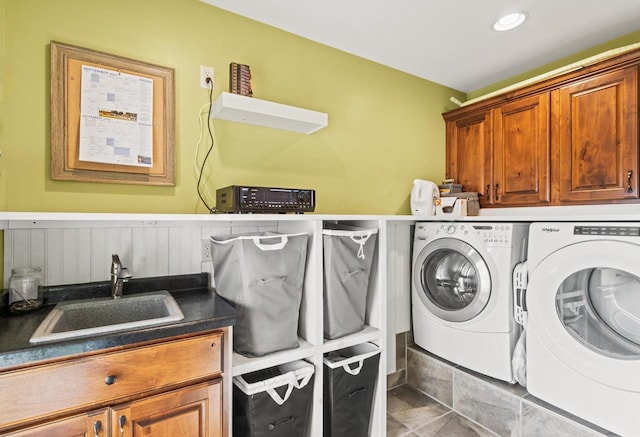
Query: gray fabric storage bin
[261,275]
[348,256]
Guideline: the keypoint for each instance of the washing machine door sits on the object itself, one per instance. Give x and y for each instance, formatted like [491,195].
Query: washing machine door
[584,305]
[452,280]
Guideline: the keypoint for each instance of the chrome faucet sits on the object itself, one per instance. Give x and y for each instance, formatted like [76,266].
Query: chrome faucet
[119,275]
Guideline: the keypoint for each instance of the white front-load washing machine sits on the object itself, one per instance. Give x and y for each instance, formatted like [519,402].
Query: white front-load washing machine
[462,303]
[583,329]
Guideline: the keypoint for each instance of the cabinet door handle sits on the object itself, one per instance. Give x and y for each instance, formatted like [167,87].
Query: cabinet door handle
[487,190]
[629,174]
[97,425]
[110,379]
[496,190]
[121,421]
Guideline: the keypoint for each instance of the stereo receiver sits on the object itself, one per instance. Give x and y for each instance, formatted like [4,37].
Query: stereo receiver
[243,199]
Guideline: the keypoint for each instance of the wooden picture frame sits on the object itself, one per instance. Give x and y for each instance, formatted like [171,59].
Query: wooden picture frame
[67,63]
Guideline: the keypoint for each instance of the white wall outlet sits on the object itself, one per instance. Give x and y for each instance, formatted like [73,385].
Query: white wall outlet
[206,73]
[205,248]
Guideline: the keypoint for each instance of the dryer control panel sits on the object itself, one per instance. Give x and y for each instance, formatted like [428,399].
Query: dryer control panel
[624,231]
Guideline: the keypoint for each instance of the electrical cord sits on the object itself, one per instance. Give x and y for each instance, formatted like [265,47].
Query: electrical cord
[210,209]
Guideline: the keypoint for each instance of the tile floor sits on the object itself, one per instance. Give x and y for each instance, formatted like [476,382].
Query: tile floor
[411,413]
[441,399]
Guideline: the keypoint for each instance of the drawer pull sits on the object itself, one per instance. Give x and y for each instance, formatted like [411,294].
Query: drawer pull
[121,421]
[110,379]
[213,345]
[96,427]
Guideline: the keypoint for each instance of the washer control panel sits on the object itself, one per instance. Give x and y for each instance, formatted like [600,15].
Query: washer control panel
[497,235]
[494,235]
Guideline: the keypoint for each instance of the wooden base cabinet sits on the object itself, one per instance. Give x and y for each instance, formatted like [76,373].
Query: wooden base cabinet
[83,425]
[171,388]
[193,411]
[568,140]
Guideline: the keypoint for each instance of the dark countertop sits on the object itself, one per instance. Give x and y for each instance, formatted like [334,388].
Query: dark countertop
[203,311]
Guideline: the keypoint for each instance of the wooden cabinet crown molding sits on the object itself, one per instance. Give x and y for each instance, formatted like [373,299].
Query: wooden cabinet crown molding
[585,72]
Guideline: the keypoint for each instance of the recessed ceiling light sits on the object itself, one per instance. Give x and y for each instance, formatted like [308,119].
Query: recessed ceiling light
[510,21]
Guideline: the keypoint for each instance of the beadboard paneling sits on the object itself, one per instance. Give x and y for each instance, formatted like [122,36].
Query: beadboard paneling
[83,254]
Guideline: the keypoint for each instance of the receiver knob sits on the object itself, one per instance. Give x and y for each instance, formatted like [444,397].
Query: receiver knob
[303,196]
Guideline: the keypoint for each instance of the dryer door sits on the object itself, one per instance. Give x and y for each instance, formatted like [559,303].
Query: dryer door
[452,280]
[584,305]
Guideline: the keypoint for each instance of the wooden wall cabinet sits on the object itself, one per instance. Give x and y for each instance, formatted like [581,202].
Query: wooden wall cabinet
[596,137]
[569,140]
[163,389]
[469,156]
[521,152]
[503,152]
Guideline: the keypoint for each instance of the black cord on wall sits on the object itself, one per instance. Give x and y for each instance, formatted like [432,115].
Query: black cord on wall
[210,209]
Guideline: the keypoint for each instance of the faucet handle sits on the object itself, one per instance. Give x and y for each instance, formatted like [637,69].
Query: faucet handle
[124,274]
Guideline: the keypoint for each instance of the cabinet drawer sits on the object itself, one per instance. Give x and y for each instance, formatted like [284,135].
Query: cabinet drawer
[97,380]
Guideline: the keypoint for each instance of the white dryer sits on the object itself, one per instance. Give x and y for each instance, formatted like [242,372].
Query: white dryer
[462,292]
[583,330]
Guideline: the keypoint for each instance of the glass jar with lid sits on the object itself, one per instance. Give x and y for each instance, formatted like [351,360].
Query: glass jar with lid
[25,288]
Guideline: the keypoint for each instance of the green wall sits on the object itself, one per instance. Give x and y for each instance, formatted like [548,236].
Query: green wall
[385,126]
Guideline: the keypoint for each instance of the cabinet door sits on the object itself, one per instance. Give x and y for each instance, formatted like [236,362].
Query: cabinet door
[597,138]
[521,152]
[84,425]
[469,153]
[193,411]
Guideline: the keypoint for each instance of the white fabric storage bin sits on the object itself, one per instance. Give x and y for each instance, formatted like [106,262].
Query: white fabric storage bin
[273,402]
[348,257]
[261,275]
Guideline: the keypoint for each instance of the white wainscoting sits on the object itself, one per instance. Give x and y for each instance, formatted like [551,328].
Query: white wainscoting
[83,254]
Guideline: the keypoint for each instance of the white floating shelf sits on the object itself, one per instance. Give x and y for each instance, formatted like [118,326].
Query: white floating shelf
[243,109]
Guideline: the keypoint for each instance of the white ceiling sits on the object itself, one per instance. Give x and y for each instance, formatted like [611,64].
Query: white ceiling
[450,42]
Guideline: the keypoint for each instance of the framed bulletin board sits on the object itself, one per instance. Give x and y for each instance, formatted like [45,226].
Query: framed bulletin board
[112,118]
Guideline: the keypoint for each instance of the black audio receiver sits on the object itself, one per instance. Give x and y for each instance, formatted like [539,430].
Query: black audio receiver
[243,199]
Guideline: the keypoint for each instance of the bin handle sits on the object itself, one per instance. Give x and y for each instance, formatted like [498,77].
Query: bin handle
[293,383]
[302,382]
[356,391]
[277,398]
[348,275]
[273,278]
[360,240]
[277,246]
[356,370]
[281,422]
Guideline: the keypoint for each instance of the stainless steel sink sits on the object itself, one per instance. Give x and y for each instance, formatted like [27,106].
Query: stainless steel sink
[86,317]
